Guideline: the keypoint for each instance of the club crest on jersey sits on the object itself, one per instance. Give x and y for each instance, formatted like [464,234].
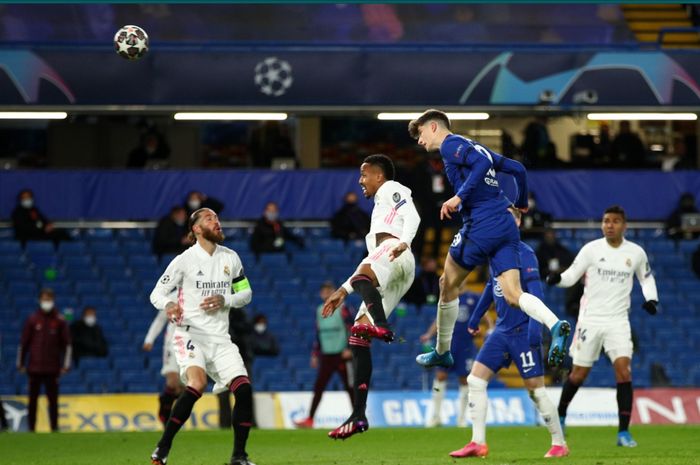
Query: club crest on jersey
[165,279]
[396,197]
[227,272]
[628,262]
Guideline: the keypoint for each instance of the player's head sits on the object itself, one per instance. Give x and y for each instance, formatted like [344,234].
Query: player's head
[614,223]
[430,129]
[375,171]
[326,290]
[204,224]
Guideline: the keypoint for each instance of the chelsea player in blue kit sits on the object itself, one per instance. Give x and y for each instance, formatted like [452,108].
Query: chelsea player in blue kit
[463,351]
[518,339]
[489,233]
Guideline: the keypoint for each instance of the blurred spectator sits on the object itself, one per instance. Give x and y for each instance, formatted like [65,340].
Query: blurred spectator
[554,257]
[3,419]
[602,149]
[674,224]
[268,141]
[382,22]
[30,224]
[152,149]
[695,262]
[46,341]
[196,200]
[88,339]
[535,221]
[170,236]
[330,353]
[426,287]
[350,222]
[658,376]
[262,341]
[538,149]
[269,234]
[627,148]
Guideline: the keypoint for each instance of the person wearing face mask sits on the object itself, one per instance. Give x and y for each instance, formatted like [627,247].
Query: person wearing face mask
[350,222]
[196,200]
[170,236]
[44,354]
[263,342]
[535,221]
[674,228]
[88,339]
[30,224]
[269,234]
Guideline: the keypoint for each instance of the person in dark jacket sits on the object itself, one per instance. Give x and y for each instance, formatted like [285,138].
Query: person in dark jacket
[46,343]
[88,339]
[535,221]
[196,200]
[554,257]
[350,222]
[30,224]
[263,342]
[269,234]
[171,235]
[674,226]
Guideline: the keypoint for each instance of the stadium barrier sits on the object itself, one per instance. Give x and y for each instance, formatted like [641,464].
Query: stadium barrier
[507,407]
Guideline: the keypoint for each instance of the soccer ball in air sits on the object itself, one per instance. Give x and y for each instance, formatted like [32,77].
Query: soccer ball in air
[131,42]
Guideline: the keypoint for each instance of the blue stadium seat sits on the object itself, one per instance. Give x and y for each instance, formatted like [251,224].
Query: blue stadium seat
[137,247]
[110,261]
[91,286]
[10,247]
[11,260]
[143,261]
[23,288]
[72,248]
[122,286]
[100,301]
[39,248]
[94,364]
[98,234]
[131,234]
[273,260]
[18,274]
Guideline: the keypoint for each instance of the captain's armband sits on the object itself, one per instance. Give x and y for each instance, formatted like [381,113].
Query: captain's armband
[239,284]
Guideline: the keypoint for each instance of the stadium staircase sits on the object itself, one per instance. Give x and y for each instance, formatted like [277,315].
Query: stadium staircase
[115,271]
[647,21]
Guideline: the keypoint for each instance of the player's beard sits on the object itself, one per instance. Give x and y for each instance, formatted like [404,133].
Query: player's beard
[213,236]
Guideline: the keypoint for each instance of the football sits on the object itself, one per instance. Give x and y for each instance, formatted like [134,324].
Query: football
[131,42]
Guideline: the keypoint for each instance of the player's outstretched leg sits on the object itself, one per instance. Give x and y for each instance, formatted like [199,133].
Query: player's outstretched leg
[242,419]
[624,407]
[560,343]
[478,404]
[180,413]
[364,286]
[362,365]
[549,413]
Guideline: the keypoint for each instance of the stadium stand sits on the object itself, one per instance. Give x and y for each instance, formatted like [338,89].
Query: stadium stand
[110,270]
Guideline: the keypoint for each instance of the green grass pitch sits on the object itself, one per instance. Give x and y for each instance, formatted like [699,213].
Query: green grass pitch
[658,445]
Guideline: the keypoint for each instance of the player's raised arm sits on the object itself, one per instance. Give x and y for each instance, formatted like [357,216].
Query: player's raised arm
[572,274]
[482,305]
[648,284]
[161,295]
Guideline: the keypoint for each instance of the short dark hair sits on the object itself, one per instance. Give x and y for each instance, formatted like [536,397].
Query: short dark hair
[327,285]
[428,115]
[383,162]
[618,210]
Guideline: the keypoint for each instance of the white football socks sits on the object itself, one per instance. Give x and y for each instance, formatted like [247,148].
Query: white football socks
[446,318]
[439,388]
[463,399]
[537,310]
[549,414]
[478,405]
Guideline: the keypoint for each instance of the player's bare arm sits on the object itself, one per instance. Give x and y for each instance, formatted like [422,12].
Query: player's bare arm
[396,252]
[450,206]
[213,303]
[334,301]
[174,311]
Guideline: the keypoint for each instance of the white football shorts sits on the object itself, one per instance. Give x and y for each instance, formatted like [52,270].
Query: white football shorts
[614,337]
[221,360]
[395,278]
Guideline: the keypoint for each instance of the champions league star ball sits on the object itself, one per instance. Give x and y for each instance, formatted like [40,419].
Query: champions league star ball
[131,42]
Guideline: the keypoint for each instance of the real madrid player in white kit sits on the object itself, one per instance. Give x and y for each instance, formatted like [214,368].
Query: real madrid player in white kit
[209,280]
[170,370]
[609,265]
[381,279]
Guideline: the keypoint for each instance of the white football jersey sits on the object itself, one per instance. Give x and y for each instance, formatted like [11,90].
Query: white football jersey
[198,275]
[393,213]
[608,279]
